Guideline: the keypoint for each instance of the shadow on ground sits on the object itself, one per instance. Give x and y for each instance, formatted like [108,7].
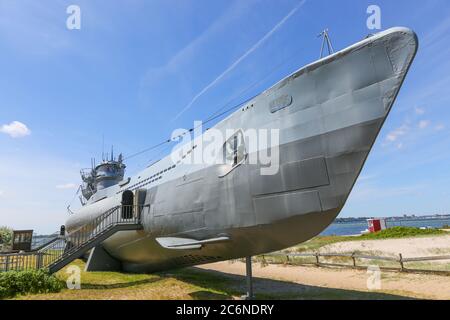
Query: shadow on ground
[118,285]
[230,286]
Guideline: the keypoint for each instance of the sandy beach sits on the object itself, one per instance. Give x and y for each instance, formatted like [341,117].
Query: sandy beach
[311,281]
[408,247]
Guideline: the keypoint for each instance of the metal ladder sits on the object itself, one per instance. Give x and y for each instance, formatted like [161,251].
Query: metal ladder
[60,252]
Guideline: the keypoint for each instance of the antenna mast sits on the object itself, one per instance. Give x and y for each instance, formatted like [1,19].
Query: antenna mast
[326,39]
[103,147]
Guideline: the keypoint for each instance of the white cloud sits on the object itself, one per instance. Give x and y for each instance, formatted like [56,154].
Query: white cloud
[437,34]
[424,124]
[241,58]
[31,199]
[366,177]
[15,129]
[364,192]
[66,186]
[19,21]
[2,193]
[419,111]
[185,55]
[409,133]
[395,134]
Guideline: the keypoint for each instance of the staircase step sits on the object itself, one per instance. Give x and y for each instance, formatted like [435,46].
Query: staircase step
[59,260]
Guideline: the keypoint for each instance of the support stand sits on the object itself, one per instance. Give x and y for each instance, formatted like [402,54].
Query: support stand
[100,260]
[248,268]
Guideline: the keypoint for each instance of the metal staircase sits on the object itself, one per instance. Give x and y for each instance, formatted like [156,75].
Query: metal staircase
[63,250]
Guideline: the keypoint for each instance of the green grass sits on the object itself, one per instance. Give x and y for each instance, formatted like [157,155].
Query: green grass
[193,284]
[402,232]
[316,243]
[390,233]
[186,284]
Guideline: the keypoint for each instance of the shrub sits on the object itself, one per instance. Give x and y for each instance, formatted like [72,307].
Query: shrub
[5,235]
[401,232]
[13,283]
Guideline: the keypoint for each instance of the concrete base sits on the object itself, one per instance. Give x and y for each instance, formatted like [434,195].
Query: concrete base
[100,260]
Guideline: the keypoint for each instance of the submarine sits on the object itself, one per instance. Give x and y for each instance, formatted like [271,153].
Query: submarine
[325,118]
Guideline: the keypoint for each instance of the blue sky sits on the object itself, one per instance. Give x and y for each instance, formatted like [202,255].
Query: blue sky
[134,66]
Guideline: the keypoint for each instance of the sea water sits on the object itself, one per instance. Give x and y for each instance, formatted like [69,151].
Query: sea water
[352,228]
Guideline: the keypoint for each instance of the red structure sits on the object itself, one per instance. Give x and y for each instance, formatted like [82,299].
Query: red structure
[376,225]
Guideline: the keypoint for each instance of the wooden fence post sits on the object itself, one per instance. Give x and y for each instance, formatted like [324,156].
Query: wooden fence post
[354,256]
[264,262]
[39,260]
[354,260]
[402,267]
[7,263]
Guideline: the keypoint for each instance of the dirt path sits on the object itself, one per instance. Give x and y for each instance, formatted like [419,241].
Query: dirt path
[313,282]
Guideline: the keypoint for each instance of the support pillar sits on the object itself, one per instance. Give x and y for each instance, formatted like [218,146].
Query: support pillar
[100,260]
[249,277]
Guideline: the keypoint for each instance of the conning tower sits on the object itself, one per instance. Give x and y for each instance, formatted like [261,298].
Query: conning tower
[104,175]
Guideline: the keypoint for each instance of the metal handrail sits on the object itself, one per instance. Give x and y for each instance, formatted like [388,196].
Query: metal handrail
[75,240]
[72,242]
